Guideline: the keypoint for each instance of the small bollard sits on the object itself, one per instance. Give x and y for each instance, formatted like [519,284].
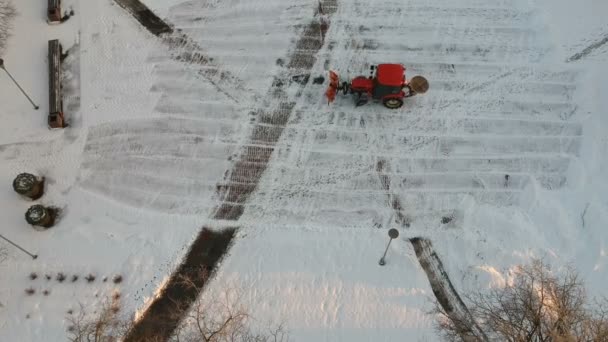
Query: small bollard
[393,234]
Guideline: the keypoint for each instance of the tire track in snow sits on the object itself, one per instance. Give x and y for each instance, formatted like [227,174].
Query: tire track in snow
[184,49]
[589,49]
[164,314]
[473,72]
[393,200]
[403,215]
[440,125]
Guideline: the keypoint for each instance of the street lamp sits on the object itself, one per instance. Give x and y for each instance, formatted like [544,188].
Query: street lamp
[18,86]
[34,256]
[392,234]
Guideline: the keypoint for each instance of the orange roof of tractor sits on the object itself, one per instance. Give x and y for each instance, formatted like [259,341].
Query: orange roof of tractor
[390,74]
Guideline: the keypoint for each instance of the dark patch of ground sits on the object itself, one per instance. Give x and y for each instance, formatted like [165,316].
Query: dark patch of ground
[444,290]
[163,316]
[589,49]
[145,16]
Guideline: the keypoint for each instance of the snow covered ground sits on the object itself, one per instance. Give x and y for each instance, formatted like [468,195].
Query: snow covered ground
[151,136]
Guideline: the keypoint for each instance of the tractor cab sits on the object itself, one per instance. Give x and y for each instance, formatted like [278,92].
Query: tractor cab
[389,80]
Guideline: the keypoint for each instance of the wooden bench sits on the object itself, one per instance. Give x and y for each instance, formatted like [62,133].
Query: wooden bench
[56,118]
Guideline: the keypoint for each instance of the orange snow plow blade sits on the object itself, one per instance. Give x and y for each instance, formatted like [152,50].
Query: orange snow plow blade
[332,89]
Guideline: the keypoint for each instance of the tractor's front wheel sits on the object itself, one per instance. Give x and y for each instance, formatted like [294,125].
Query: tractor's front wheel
[345,88]
[361,99]
[393,103]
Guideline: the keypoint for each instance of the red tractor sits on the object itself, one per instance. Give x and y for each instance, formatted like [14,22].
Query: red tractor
[387,85]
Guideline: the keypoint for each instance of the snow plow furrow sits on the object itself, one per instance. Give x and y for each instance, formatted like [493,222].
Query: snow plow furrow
[441,126]
[304,201]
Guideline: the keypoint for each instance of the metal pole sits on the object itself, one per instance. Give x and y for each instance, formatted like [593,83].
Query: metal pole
[381,262]
[392,234]
[34,256]
[17,84]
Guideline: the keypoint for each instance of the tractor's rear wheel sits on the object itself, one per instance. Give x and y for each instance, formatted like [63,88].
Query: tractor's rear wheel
[393,103]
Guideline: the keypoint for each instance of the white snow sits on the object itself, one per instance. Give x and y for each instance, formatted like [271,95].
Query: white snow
[150,138]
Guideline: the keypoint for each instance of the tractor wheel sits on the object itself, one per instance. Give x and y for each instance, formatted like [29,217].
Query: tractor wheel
[345,88]
[393,103]
[360,99]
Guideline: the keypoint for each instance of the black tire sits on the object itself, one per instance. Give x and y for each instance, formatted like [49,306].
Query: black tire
[392,103]
[360,100]
[345,88]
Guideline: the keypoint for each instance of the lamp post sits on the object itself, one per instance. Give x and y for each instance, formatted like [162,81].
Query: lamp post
[392,234]
[17,84]
[34,256]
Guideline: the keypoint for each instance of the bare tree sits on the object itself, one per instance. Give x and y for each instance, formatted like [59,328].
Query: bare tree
[536,307]
[7,14]
[103,325]
[224,318]
[212,318]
